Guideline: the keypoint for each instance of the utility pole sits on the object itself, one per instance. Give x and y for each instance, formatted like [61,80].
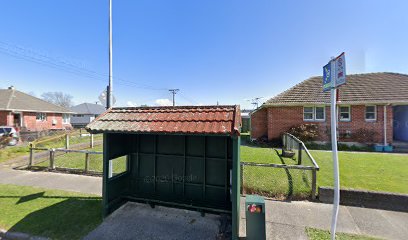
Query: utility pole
[174,92]
[109,90]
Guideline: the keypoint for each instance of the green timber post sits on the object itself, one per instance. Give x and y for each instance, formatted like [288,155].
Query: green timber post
[105,173]
[236,196]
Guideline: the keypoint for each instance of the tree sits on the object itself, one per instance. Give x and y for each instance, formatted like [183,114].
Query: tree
[58,98]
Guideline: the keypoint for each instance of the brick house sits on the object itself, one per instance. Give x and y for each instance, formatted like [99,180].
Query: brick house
[29,113]
[373,103]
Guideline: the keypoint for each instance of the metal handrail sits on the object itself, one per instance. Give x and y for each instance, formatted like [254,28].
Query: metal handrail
[274,165]
[305,148]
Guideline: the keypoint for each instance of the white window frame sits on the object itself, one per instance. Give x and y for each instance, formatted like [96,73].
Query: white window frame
[314,119]
[313,114]
[375,113]
[65,118]
[349,113]
[324,114]
[43,117]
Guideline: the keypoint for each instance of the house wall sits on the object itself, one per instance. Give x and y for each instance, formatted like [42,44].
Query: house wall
[5,118]
[259,123]
[281,119]
[84,120]
[31,123]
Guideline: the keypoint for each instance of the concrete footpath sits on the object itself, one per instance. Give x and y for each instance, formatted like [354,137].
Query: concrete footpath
[288,220]
[285,220]
[51,180]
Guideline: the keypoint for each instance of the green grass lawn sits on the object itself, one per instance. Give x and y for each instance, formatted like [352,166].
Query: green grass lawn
[13,152]
[77,161]
[367,171]
[317,234]
[48,213]
[278,183]
[358,170]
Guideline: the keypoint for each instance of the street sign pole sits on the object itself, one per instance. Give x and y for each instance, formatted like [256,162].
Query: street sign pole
[334,75]
[333,112]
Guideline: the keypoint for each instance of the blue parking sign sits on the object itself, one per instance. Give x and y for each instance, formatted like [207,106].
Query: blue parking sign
[327,85]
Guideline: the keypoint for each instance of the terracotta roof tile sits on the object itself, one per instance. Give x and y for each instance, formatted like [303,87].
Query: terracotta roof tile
[223,120]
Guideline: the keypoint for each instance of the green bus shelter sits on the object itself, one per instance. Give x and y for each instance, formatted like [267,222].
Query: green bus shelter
[184,157]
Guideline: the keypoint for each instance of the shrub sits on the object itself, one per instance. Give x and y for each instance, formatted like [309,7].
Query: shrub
[364,135]
[305,132]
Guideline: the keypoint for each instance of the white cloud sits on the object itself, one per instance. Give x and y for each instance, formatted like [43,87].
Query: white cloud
[163,102]
[131,104]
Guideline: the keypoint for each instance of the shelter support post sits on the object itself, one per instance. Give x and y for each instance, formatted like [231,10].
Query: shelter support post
[236,196]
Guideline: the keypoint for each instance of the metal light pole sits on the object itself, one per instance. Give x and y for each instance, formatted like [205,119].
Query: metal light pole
[109,92]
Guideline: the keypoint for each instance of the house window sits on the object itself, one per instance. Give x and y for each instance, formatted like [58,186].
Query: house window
[41,117]
[319,114]
[78,115]
[314,113]
[308,113]
[371,113]
[65,118]
[344,113]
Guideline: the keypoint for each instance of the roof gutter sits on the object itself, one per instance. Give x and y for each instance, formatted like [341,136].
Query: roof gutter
[339,103]
[24,110]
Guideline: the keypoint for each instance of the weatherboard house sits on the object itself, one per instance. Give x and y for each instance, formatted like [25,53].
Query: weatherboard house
[26,112]
[372,109]
[85,113]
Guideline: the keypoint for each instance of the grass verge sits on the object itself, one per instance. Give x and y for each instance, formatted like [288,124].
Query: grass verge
[13,152]
[366,171]
[48,213]
[317,234]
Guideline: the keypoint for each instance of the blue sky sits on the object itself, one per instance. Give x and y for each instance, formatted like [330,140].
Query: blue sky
[225,51]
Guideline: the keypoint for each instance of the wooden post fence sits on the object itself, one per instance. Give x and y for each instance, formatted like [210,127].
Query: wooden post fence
[52,159]
[86,162]
[92,141]
[67,141]
[31,159]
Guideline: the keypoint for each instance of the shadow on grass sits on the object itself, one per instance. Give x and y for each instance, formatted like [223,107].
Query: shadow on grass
[71,218]
[290,179]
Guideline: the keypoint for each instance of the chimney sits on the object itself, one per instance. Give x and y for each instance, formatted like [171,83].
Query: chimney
[11,87]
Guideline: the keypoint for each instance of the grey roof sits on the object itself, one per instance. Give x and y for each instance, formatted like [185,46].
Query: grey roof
[13,100]
[88,108]
[370,88]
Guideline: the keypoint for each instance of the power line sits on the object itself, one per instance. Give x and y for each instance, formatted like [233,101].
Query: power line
[56,63]
[188,99]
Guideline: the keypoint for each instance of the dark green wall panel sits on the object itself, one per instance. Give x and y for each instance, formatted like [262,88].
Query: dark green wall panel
[192,170]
